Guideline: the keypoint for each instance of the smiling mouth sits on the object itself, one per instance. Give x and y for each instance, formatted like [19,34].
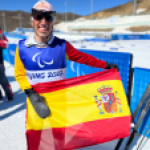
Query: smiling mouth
[43,29]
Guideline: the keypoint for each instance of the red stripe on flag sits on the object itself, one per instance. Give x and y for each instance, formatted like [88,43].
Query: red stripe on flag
[81,135]
[47,87]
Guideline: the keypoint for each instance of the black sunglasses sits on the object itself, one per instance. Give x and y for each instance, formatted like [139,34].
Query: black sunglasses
[48,15]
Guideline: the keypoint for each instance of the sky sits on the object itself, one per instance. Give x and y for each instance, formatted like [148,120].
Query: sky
[81,7]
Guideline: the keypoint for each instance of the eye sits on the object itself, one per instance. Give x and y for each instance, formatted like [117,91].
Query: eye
[39,17]
[49,18]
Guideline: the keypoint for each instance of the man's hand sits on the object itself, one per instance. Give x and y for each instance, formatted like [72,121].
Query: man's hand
[110,66]
[38,103]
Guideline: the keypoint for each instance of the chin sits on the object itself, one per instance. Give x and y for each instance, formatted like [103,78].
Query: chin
[43,34]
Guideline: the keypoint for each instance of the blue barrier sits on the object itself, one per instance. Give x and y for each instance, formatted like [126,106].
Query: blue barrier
[126,37]
[129,37]
[97,40]
[9,53]
[6,54]
[24,30]
[14,35]
[147,37]
[12,53]
[141,81]
[123,60]
[57,31]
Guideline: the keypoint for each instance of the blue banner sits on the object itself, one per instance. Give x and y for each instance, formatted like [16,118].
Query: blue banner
[141,81]
[129,37]
[12,53]
[6,54]
[123,60]
[105,40]
[14,35]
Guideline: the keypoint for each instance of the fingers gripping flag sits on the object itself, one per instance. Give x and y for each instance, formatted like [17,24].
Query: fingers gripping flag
[86,110]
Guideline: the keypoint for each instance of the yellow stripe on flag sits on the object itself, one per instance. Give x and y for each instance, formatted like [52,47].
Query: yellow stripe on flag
[77,104]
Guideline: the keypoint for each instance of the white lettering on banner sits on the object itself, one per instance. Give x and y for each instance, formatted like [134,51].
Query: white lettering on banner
[35,77]
[54,74]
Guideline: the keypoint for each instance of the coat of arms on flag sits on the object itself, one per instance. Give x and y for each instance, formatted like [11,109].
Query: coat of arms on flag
[107,101]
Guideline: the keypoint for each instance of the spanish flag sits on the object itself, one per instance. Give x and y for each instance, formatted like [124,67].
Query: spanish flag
[85,111]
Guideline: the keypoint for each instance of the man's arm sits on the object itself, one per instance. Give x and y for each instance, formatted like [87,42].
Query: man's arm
[75,55]
[20,73]
[36,100]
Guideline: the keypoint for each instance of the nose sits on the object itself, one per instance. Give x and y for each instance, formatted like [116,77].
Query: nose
[43,21]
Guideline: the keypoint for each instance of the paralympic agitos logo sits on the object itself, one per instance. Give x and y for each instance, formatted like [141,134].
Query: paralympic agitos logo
[38,60]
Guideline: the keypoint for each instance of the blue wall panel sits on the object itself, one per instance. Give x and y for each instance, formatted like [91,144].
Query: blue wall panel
[121,59]
[141,81]
[6,54]
[129,37]
[12,53]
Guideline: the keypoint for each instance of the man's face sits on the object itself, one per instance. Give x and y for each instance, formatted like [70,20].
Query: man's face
[42,27]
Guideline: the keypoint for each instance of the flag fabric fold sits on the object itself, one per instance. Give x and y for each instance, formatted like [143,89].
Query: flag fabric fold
[85,111]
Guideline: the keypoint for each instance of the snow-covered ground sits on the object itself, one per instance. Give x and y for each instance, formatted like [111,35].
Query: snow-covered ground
[139,48]
[12,114]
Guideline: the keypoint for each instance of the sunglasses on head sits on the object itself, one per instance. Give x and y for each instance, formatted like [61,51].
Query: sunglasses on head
[48,15]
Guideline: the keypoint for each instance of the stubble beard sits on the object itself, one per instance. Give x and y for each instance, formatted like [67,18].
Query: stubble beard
[43,38]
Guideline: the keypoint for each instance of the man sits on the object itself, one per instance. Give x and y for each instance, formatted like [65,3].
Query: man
[3,80]
[42,57]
